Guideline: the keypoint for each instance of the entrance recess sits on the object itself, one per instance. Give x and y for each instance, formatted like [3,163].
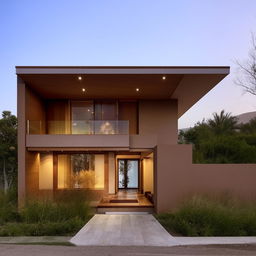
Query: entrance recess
[128,174]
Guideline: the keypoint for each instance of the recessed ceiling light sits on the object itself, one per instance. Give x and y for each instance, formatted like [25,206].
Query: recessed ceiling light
[80,78]
[164,77]
[83,90]
[137,89]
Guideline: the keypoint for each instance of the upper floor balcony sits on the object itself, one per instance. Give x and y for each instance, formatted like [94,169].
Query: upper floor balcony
[86,127]
[100,134]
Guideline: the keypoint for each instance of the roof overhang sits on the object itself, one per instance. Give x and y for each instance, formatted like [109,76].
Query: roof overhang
[186,84]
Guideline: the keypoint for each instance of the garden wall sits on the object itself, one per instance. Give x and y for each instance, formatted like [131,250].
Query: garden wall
[177,178]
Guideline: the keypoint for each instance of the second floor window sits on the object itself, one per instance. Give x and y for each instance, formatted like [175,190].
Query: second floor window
[90,117]
[82,112]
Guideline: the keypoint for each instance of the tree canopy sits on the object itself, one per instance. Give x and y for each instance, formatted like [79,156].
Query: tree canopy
[8,150]
[247,70]
[222,140]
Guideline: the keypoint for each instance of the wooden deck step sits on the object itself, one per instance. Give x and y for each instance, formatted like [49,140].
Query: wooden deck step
[102,209]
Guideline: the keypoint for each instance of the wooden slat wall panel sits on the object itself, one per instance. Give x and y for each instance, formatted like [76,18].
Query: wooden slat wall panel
[32,175]
[35,112]
[128,111]
[58,117]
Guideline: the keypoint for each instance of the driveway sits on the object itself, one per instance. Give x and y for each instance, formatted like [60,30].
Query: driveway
[123,230]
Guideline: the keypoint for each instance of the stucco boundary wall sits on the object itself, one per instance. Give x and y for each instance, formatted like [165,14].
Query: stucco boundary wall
[177,178]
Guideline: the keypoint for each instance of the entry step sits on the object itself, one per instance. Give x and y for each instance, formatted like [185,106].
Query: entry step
[126,213]
[130,210]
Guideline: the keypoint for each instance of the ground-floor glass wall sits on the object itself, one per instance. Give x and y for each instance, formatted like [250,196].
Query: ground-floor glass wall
[70,171]
[109,171]
[77,171]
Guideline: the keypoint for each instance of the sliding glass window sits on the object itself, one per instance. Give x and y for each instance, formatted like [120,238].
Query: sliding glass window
[101,117]
[106,116]
[82,114]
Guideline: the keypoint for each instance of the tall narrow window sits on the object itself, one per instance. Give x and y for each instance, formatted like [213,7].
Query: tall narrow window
[106,117]
[82,116]
[106,110]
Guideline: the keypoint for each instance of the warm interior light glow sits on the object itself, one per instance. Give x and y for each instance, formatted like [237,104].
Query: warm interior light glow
[148,179]
[83,90]
[79,78]
[46,171]
[164,77]
[137,89]
[84,171]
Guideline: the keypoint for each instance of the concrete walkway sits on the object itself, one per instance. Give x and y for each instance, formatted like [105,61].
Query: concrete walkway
[216,240]
[123,230]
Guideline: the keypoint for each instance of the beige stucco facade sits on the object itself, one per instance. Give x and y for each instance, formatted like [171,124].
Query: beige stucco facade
[46,141]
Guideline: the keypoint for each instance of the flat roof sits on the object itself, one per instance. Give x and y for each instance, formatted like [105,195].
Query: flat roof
[122,69]
[187,84]
[122,66]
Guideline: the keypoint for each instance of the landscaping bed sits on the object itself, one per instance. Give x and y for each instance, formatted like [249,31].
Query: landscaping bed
[42,218]
[204,216]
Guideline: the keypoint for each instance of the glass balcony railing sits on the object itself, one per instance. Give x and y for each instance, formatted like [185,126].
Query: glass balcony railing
[89,127]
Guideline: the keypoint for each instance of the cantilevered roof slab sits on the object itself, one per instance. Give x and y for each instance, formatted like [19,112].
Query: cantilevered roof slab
[187,84]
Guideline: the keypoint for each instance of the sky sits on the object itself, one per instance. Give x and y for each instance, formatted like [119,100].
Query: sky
[130,32]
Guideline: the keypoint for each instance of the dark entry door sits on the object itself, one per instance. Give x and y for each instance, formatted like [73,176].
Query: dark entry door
[128,173]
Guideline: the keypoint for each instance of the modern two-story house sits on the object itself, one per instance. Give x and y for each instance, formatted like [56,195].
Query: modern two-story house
[110,132]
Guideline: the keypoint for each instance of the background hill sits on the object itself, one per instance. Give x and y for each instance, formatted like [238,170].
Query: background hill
[246,117]
[242,118]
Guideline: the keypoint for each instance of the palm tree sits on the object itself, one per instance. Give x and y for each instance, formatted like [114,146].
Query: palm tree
[223,123]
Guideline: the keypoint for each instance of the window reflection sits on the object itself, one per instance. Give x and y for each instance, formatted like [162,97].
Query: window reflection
[106,110]
[82,113]
[128,173]
[85,121]
[81,171]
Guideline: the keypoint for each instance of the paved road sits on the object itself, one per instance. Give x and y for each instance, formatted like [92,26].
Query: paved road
[43,250]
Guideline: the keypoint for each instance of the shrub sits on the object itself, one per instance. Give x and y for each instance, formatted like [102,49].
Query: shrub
[38,218]
[202,216]
[48,211]
[8,206]
[226,149]
[68,227]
